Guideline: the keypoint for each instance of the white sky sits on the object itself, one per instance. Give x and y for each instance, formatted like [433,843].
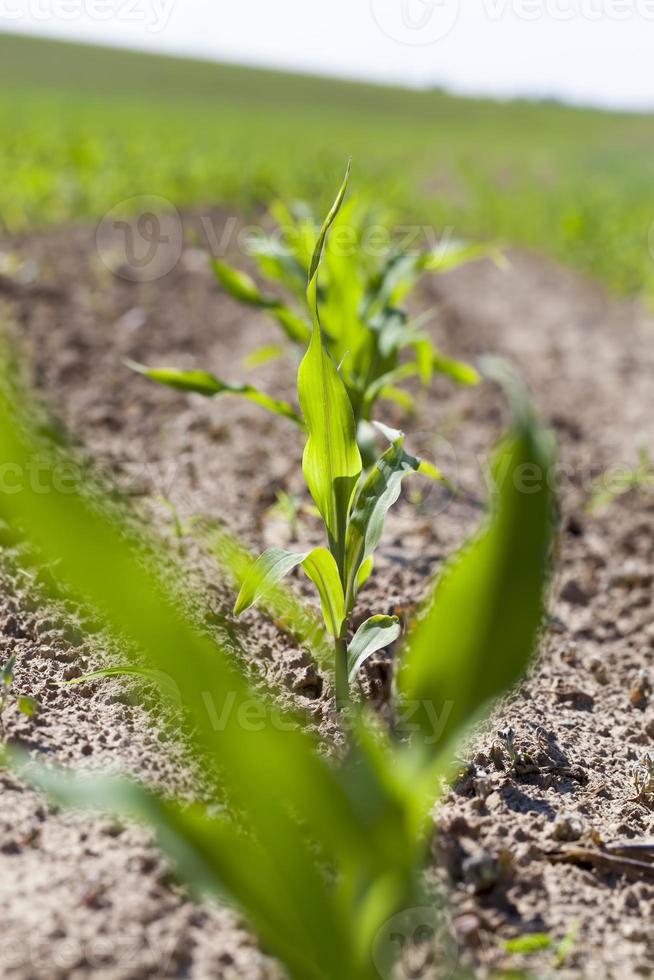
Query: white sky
[595,51]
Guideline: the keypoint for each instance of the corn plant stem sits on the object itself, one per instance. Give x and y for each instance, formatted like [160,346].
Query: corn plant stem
[340,673]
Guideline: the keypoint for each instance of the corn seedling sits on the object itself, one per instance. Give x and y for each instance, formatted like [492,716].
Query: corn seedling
[25,705]
[352,507]
[365,327]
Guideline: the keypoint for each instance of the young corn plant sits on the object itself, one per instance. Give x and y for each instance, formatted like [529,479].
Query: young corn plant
[320,855]
[366,329]
[352,507]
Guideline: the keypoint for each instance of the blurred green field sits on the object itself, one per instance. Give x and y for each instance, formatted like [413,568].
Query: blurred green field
[84,128]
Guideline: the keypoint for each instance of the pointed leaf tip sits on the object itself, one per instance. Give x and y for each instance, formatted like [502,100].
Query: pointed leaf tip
[327,223]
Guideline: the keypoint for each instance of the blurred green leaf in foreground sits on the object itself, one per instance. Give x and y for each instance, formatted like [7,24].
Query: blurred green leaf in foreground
[319,855]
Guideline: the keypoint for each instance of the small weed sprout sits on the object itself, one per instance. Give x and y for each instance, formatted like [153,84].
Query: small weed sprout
[25,705]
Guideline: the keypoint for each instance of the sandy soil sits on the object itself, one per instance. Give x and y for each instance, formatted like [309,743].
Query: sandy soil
[82,897]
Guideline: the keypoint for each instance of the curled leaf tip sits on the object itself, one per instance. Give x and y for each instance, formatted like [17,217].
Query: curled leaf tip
[393,435]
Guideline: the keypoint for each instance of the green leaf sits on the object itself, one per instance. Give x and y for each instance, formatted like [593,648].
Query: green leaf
[299,814]
[326,225]
[425,468]
[158,677]
[392,328]
[480,628]
[27,706]
[425,353]
[204,383]
[296,329]
[322,569]
[457,253]
[213,855]
[331,461]
[377,495]
[365,571]
[534,942]
[402,271]
[275,563]
[276,259]
[431,360]
[279,603]
[241,286]
[264,355]
[402,398]
[336,849]
[269,569]
[399,373]
[459,371]
[375,634]
[396,278]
